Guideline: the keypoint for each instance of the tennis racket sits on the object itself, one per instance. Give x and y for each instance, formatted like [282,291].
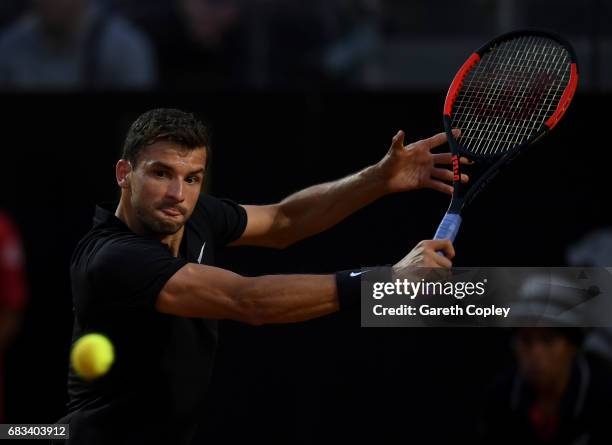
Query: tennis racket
[507,95]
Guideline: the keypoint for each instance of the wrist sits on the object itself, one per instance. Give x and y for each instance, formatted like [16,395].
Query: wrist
[377,178]
[348,283]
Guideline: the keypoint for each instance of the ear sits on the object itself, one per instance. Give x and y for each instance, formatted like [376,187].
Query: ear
[123,171]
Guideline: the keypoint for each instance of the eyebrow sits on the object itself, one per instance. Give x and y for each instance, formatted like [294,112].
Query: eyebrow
[160,164]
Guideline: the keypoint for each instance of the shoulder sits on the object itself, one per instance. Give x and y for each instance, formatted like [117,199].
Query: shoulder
[106,248]
[213,206]
[209,205]
[119,271]
[206,210]
[219,210]
[225,218]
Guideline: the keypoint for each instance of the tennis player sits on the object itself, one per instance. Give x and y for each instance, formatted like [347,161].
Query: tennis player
[144,274]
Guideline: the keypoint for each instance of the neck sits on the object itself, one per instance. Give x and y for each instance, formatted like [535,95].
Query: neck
[126,214]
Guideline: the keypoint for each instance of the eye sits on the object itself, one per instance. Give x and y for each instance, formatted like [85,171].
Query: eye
[192,179]
[160,173]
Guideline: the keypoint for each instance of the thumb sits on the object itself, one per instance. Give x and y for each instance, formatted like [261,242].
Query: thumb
[398,141]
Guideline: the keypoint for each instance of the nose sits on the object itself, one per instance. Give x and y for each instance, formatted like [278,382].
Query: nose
[175,190]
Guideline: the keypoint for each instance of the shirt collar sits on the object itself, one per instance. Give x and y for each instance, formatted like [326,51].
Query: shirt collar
[104,214]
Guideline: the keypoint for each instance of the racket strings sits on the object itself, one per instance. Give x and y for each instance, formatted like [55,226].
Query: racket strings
[510,93]
[497,105]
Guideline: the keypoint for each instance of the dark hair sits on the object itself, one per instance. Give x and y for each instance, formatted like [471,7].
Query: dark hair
[165,124]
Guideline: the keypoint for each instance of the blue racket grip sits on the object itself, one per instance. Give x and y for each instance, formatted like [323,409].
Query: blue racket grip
[449,227]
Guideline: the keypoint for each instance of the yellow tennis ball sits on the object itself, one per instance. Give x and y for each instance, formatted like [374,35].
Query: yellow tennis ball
[92,355]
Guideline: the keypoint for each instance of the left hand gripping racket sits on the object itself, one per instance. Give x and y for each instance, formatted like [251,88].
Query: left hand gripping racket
[509,93]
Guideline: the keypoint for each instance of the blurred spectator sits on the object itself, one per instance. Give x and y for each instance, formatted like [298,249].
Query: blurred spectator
[74,44]
[316,42]
[12,289]
[211,44]
[594,250]
[203,46]
[208,21]
[556,395]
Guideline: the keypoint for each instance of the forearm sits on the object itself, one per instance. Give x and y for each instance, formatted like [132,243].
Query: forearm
[210,292]
[287,298]
[320,207]
[317,208]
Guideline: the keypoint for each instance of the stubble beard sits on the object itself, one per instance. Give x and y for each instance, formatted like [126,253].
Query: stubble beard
[156,226]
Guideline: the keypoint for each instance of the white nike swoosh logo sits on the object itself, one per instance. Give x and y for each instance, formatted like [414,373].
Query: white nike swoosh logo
[201,253]
[356,274]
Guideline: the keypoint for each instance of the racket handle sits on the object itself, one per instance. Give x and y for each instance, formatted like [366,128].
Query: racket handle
[449,227]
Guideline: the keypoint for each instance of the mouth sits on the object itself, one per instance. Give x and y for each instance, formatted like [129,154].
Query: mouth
[171,211]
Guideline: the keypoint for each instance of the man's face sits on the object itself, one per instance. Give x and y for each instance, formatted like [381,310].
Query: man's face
[543,355]
[165,184]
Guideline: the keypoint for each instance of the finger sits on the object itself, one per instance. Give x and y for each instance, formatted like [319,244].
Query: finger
[442,173]
[440,186]
[442,245]
[434,141]
[443,158]
[442,261]
[447,175]
[439,139]
[447,158]
[436,260]
[397,142]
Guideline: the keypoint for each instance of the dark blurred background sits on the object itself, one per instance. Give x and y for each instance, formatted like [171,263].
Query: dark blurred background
[295,93]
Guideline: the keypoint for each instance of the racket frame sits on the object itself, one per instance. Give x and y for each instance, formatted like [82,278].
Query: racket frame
[462,197]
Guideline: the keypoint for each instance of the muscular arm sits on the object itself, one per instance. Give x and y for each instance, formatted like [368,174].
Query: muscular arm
[311,210]
[211,292]
[320,207]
